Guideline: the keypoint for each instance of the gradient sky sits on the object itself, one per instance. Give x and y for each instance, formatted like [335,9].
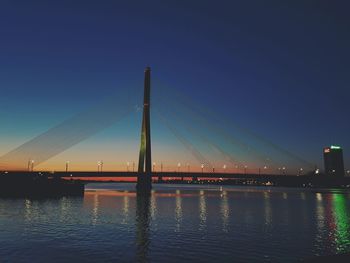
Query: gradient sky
[277,68]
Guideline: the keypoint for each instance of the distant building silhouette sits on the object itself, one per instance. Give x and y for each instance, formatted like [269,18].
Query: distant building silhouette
[333,160]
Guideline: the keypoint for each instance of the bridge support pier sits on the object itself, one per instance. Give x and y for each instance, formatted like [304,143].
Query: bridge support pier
[144,178]
[144,184]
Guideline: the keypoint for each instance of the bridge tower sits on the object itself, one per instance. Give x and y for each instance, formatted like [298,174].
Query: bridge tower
[144,178]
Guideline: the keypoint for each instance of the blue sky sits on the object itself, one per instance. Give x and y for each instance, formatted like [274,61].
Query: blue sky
[278,68]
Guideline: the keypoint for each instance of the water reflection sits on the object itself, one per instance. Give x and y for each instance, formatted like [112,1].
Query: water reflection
[304,209]
[153,205]
[285,196]
[115,224]
[28,209]
[126,205]
[202,210]
[225,211]
[94,218]
[267,211]
[65,204]
[330,234]
[342,222]
[142,227]
[320,220]
[178,210]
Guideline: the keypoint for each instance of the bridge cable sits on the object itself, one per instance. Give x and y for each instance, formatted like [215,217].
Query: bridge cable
[187,144]
[213,145]
[191,105]
[67,134]
[223,134]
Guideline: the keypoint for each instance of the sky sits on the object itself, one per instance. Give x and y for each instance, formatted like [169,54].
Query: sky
[264,71]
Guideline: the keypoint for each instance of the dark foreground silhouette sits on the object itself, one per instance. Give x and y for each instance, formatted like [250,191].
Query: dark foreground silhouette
[24,185]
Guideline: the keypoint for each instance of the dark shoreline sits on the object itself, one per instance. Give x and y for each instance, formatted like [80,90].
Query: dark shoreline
[221,183]
[38,186]
[339,258]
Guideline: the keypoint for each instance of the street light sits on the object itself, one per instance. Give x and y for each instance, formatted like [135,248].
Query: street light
[284,170]
[265,167]
[154,167]
[224,167]
[67,164]
[301,171]
[202,166]
[99,166]
[178,167]
[245,169]
[188,167]
[32,162]
[127,166]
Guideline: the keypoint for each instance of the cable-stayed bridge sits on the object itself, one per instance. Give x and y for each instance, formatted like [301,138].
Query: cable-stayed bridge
[188,122]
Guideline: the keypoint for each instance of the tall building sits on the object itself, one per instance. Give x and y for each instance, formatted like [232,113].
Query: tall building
[333,160]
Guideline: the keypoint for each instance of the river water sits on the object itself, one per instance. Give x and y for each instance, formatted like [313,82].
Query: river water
[177,223]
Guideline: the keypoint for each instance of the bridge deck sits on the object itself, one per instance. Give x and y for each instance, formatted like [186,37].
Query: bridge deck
[278,180]
[135,174]
[166,174]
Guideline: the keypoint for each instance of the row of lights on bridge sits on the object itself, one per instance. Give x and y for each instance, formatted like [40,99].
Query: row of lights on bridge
[128,164]
[100,167]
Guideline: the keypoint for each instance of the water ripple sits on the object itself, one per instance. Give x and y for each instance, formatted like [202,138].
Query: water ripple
[177,223]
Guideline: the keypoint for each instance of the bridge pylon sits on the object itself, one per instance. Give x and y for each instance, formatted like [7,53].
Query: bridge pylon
[144,178]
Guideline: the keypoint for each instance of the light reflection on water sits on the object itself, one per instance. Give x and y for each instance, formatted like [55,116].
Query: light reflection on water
[202,210]
[125,209]
[267,205]
[176,223]
[94,217]
[225,211]
[178,210]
